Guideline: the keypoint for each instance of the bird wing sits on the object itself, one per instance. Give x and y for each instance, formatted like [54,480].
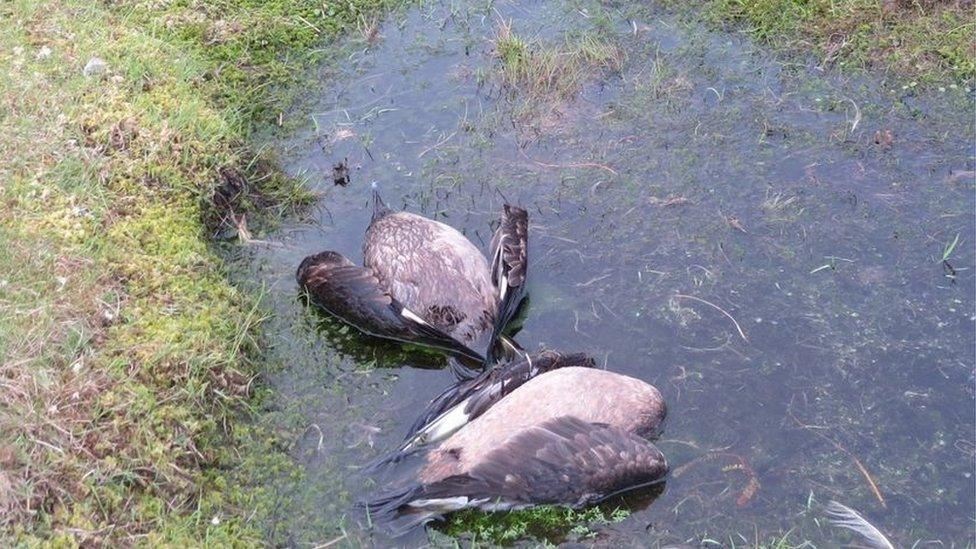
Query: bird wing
[475,396]
[562,461]
[355,295]
[509,265]
[466,400]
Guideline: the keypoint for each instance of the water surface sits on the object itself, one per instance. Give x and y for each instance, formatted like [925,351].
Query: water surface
[759,239]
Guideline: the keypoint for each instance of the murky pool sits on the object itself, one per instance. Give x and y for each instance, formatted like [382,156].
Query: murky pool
[768,245]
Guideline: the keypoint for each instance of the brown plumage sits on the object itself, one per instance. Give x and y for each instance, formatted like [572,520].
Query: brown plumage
[439,285]
[591,395]
[433,270]
[468,399]
[572,436]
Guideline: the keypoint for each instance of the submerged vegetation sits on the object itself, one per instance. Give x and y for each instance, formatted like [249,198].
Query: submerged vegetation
[931,40]
[544,74]
[542,523]
[124,349]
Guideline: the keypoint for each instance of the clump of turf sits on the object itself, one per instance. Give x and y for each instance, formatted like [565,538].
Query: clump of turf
[545,75]
[550,524]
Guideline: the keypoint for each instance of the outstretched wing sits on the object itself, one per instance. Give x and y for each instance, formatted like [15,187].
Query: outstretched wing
[563,461]
[464,401]
[509,265]
[354,294]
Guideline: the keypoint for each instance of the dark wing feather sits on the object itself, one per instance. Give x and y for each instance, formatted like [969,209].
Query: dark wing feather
[354,294]
[563,461]
[509,257]
[509,377]
[513,375]
[477,395]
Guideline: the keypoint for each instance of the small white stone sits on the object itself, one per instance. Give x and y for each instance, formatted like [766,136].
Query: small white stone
[44,52]
[95,66]
[215,520]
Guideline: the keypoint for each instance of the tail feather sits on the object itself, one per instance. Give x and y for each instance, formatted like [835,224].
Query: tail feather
[380,209]
[509,253]
[394,513]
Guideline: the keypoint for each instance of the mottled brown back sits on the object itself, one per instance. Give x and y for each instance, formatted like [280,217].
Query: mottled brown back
[433,270]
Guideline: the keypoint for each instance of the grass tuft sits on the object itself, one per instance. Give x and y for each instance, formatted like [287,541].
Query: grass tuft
[546,75]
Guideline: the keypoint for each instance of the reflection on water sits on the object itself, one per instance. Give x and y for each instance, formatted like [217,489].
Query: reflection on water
[761,242]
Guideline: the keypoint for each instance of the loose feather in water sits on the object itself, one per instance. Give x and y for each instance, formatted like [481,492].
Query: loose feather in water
[843,516]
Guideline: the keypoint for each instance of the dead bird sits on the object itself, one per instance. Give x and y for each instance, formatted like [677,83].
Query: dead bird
[468,399]
[573,437]
[423,282]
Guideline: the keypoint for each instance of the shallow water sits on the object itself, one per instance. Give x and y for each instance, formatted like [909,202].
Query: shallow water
[796,228]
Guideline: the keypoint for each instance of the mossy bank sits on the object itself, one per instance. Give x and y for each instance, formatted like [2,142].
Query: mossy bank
[124,349]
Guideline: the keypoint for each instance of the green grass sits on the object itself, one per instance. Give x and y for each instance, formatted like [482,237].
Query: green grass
[543,74]
[949,248]
[125,352]
[927,40]
[547,524]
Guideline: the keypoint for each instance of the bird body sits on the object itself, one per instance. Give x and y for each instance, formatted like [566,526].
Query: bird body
[424,282]
[434,271]
[468,399]
[572,436]
[588,394]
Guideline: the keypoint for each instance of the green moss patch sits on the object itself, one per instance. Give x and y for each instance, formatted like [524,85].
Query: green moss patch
[547,523]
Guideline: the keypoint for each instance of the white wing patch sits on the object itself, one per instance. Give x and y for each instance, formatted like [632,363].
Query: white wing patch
[446,424]
[441,504]
[408,314]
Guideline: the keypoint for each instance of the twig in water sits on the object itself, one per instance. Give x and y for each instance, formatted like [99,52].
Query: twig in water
[332,542]
[857,116]
[719,309]
[595,279]
[438,144]
[576,165]
[857,463]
